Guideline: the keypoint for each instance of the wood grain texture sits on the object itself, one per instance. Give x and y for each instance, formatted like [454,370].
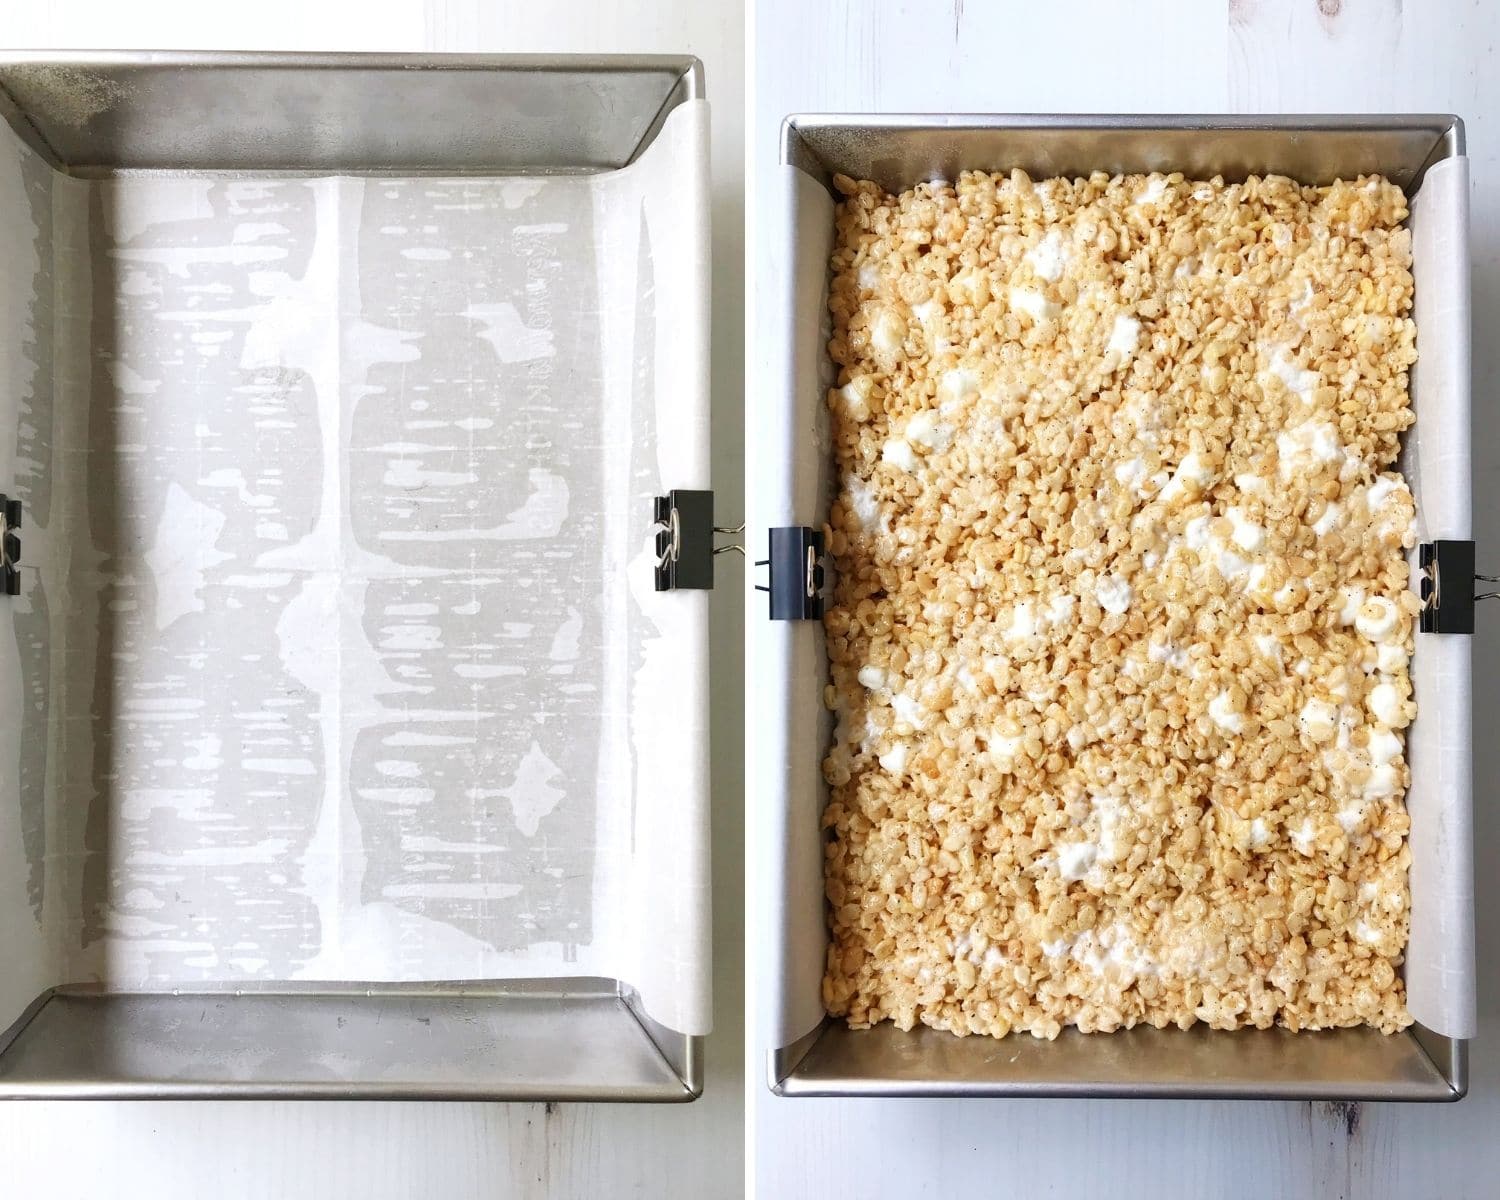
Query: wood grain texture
[404,1151]
[1242,55]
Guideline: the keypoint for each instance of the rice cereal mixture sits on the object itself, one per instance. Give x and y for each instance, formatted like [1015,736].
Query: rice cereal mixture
[1121,625]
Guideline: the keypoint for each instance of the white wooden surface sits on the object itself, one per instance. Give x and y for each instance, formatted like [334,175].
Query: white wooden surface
[407,1151]
[1163,56]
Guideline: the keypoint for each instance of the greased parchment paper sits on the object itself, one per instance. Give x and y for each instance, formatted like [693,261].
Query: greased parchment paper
[338,655]
[787,712]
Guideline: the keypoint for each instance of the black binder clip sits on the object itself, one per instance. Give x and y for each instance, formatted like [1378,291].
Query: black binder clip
[1446,579]
[685,549]
[10,546]
[796,573]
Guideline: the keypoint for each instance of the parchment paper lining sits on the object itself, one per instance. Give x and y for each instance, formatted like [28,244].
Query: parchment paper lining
[338,656]
[1439,967]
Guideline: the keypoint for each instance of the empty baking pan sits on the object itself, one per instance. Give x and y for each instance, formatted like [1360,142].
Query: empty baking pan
[349,743]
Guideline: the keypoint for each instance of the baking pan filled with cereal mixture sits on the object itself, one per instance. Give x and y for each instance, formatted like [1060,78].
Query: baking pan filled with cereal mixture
[1118,716]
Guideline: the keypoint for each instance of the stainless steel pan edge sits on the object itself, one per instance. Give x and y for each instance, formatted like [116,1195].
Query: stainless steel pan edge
[1141,1063]
[898,151]
[545,1039]
[95,113]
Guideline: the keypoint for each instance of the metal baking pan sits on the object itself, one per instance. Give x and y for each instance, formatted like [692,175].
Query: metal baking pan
[579,1036]
[809,1054]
